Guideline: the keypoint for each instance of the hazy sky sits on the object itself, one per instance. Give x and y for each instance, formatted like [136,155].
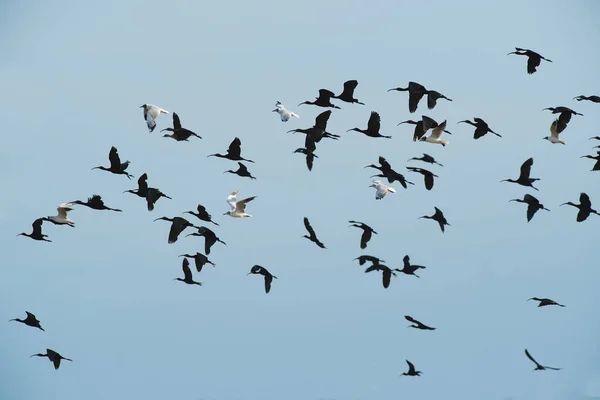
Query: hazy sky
[73,75]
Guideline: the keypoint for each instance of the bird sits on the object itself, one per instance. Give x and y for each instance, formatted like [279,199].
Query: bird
[259,270]
[210,238]
[310,156]
[36,233]
[30,320]
[116,166]
[366,235]
[411,370]
[382,189]
[554,135]
[313,235]
[436,134]
[53,356]
[593,98]
[427,159]
[179,133]
[324,99]
[534,59]
[432,98]
[427,175]
[284,113]
[386,273]
[417,324]
[564,116]
[187,274]
[151,112]
[388,172]
[524,179]
[238,208]
[584,206]
[416,91]
[372,259]
[423,125]
[538,366]
[152,195]
[533,205]
[319,130]
[233,152]
[438,216]
[372,127]
[597,158]
[241,171]
[594,138]
[545,302]
[409,269]
[178,225]
[202,214]
[481,127]
[95,203]
[347,94]
[61,218]
[200,260]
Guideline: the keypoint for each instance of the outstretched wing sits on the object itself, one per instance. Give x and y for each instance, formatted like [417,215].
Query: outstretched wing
[176,122]
[235,147]
[411,319]
[187,272]
[349,87]
[321,120]
[37,226]
[526,169]
[532,63]
[143,182]
[240,206]
[584,199]
[113,157]
[374,122]
[231,200]
[308,227]
[530,357]
[325,94]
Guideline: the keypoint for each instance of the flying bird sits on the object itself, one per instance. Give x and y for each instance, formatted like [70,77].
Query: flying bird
[313,235]
[53,356]
[538,366]
[564,116]
[348,94]
[116,166]
[284,113]
[202,214]
[533,205]
[415,91]
[367,232]
[436,134]
[386,273]
[417,324]
[151,112]
[200,260]
[238,208]
[36,233]
[382,189]
[210,238]
[241,171]
[533,61]
[432,98]
[310,156]
[545,302]
[233,152]
[427,175]
[423,125]
[258,270]
[319,130]
[411,370]
[409,269]
[426,159]
[30,320]
[524,179]
[152,195]
[187,274]
[584,206]
[593,98]
[178,225]
[438,216]
[481,127]
[597,158]
[95,203]
[61,218]
[372,127]
[324,99]
[367,258]
[179,133]
[554,135]
[388,172]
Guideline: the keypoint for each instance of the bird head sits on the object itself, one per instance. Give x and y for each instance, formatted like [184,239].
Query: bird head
[143,106]
[423,139]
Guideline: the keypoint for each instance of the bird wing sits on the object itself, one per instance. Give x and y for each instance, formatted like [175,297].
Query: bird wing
[240,206]
[428,180]
[436,133]
[428,123]
[231,199]
[554,129]
[187,272]
[411,367]
[142,182]
[176,228]
[386,276]
[530,357]
[364,238]
[526,169]
[349,87]
[63,209]
[321,120]
[235,147]
[584,199]
[37,226]
[325,94]
[308,227]
[413,100]
[411,319]
[176,121]
[113,157]
[149,120]
[268,280]
[432,98]
[374,122]
[532,63]
[531,210]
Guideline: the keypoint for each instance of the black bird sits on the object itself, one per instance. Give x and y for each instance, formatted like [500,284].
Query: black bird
[564,117]
[116,166]
[200,260]
[593,98]
[533,205]
[310,156]
[233,152]
[53,356]
[386,273]
[258,270]
[372,259]
[348,93]
[95,203]
[439,217]
[319,130]
[427,159]
[585,207]
[210,238]
[422,126]
[152,195]
[432,98]
[366,235]
[481,127]
[313,235]
[415,91]
[178,225]
[187,274]
[31,320]
[538,366]
[545,302]
[36,234]
[241,171]
[324,99]
[534,59]
[597,158]
[409,269]
[372,127]
[427,175]
[411,370]
[389,173]
[417,324]
[202,214]
[179,133]
[524,179]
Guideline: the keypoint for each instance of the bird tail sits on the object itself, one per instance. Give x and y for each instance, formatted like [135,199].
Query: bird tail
[444,142]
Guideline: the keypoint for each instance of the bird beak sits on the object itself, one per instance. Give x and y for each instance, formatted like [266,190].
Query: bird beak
[348,130]
[225,213]
[563,204]
[274,110]
[156,219]
[248,273]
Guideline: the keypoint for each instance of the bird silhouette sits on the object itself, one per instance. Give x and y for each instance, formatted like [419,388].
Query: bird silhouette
[367,258]
[200,260]
[53,356]
[116,166]
[258,270]
[366,235]
[372,127]
[564,116]
[318,131]
[538,366]
[310,156]
[386,273]
[409,269]
[596,166]
[593,98]
[30,320]
[533,205]
[524,179]
[411,370]
[533,61]
[234,152]
[178,225]
[481,127]
[388,172]
[202,214]
[438,216]
[423,125]
[187,274]
[241,171]
[210,238]
[36,233]
[95,203]
[313,235]
[179,133]
[152,195]
[545,302]
[427,176]
[432,98]
[348,94]
[417,324]
[324,99]
[584,206]
[426,159]
[416,91]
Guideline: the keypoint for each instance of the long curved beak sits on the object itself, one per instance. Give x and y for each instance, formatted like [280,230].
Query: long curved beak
[156,219]
[389,90]
[563,204]
[348,130]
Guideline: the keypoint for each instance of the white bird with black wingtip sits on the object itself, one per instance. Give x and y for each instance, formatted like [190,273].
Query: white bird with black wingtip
[284,113]
[382,189]
[238,208]
[151,112]
[554,135]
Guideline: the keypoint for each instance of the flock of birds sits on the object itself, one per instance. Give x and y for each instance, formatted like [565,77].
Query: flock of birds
[314,135]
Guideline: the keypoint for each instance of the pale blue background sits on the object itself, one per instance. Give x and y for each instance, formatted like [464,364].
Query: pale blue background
[73,75]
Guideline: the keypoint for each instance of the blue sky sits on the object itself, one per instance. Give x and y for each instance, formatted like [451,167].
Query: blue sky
[73,77]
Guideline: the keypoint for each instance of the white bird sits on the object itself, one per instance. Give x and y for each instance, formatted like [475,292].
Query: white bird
[382,189]
[554,135]
[151,112]
[436,134]
[62,218]
[238,208]
[284,113]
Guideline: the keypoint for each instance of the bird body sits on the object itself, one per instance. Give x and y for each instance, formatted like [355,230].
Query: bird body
[382,189]
[538,366]
[593,98]
[367,232]
[200,260]
[284,113]
[386,273]
[411,370]
[241,171]
[36,233]
[179,133]
[373,127]
[533,61]
[187,274]
[436,135]
[417,324]
[152,195]
[95,203]
[53,356]
[554,135]
[564,116]
[210,238]
[313,236]
[524,177]
[151,112]
[596,166]
[324,99]
[348,94]
[373,260]
[438,216]
[62,218]
[426,159]
[584,206]
[545,302]
[533,205]
[259,270]
[202,214]
[416,91]
[233,152]
[238,208]
[116,166]
[481,127]
[427,176]
[409,269]
[178,225]
[30,320]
